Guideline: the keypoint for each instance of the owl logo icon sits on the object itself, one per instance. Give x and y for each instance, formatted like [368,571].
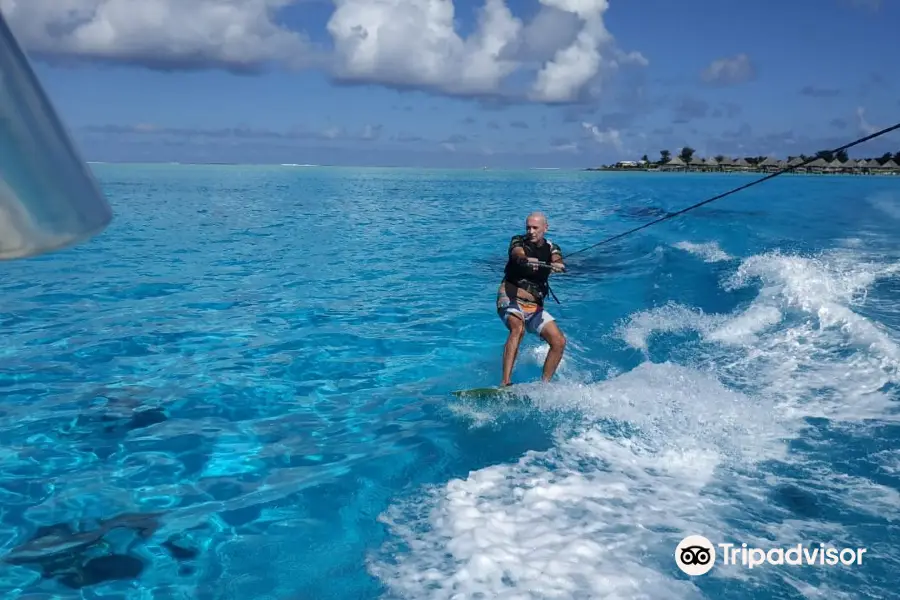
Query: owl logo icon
[695,555]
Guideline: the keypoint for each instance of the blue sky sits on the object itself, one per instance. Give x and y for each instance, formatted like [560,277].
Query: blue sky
[556,83]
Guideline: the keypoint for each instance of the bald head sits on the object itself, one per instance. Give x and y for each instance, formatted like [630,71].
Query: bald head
[536,226]
[541,217]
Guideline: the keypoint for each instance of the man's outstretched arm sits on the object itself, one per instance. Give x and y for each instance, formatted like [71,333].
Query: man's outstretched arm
[517,251]
[556,260]
[516,248]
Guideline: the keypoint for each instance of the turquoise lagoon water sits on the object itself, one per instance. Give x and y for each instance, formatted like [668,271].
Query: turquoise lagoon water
[241,389]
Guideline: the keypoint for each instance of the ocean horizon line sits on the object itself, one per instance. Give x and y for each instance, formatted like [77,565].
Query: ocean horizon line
[593,170]
[328,166]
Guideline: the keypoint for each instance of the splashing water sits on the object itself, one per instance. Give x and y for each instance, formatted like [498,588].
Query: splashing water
[666,451]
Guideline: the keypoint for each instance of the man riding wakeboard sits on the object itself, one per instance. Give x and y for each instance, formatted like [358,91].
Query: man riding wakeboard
[520,297]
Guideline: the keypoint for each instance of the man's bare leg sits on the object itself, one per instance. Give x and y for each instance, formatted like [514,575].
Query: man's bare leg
[553,336]
[516,332]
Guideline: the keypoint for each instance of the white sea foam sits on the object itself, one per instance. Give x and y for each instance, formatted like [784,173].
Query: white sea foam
[664,451]
[889,461]
[710,251]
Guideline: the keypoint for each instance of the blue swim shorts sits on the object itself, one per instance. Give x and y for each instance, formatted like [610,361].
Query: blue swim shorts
[535,317]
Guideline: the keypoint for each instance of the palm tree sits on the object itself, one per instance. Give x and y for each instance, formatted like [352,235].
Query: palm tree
[720,158]
[646,159]
[842,156]
[664,156]
[686,154]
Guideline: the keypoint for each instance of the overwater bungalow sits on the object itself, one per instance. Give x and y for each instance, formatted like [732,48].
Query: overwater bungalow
[872,164]
[889,168]
[817,166]
[675,164]
[853,166]
[741,164]
[770,165]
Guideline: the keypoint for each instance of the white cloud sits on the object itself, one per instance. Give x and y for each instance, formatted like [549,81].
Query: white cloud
[549,30]
[581,62]
[237,34]
[401,43]
[566,147]
[563,78]
[863,124]
[609,136]
[414,43]
[371,132]
[630,58]
[729,70]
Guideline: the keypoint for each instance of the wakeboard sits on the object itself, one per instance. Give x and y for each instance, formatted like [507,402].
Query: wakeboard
[491,393]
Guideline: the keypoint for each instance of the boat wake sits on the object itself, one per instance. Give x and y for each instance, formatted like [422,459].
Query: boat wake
[733,437]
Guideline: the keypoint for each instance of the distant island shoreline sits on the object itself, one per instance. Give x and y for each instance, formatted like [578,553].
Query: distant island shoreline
[824,162]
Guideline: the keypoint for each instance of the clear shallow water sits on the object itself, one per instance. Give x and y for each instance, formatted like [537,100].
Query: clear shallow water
[248,373]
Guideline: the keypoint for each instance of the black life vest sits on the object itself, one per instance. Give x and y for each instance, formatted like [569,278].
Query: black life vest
[535,282]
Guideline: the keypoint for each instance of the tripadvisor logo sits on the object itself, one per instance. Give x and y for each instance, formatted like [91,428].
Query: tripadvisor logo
[696,555]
